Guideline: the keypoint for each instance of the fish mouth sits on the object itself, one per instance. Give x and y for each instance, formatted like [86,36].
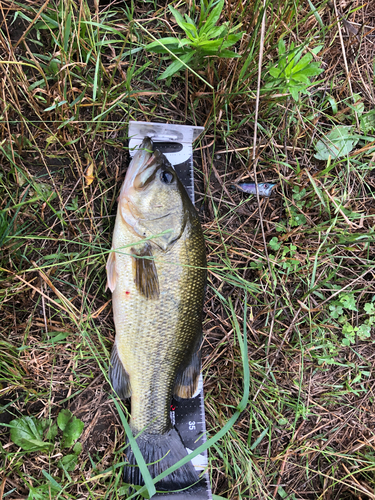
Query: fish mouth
[148,172]
[139,164]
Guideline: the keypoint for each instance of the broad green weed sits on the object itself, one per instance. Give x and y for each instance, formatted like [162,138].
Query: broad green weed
[203,39]
[293,71]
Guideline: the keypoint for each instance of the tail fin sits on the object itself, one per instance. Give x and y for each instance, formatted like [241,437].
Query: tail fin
[161,451]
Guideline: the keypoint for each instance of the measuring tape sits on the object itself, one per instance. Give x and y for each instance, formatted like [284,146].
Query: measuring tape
[187,415]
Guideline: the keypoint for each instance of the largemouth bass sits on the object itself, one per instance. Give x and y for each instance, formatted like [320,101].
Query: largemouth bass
[157,274]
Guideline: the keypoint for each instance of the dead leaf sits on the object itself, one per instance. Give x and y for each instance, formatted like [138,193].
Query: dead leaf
[89,175]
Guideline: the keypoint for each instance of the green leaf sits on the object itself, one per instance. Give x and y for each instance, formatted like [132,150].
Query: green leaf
[317,49]
[68,462]
[370,308]
[232,39]
[190,25]
[44,190]
[48,23]
[51,433]
[217,31]
[77,448]
[27,432]
[67,31]
[52,481]
[43,492]
[339,142]
[294,93]
[312,69]
[210,46]
[71,426]
[176,65]
[316,14]
[348,329]
[213,17]
[336,310]
[359,108]
[274,243]
[282,421]
[297,219]
[217,47]
[368,122]
[275,72]
[348,301]
[349,332]
[57,337]
[301,77]
[282,48]
[169,41]
[190,30]
[189,20]
[64,418]
[364,331]
[303,63]
[178,17]
[228,54]
[259,438]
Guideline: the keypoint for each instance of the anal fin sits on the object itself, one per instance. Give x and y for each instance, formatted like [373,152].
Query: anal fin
[145,272]
[188,375]
[119,376]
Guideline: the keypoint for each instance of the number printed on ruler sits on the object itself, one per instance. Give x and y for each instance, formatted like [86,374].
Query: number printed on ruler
[192,425]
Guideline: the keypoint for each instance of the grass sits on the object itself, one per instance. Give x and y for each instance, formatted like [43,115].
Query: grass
[72,76]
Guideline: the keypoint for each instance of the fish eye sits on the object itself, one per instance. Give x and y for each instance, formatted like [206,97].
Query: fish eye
[166,177]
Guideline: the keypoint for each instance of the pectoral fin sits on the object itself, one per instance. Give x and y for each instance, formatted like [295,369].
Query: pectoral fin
[111,271]
[188,375]
[119,376]
[145,272]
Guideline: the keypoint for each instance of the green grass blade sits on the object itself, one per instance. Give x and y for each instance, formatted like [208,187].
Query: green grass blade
[54,483]
[96,77]
[316,14]
[149,483]
[68,26]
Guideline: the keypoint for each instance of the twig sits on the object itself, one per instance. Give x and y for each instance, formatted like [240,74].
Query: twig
[345,60]
[2,487]
[255,157]
[282,468]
